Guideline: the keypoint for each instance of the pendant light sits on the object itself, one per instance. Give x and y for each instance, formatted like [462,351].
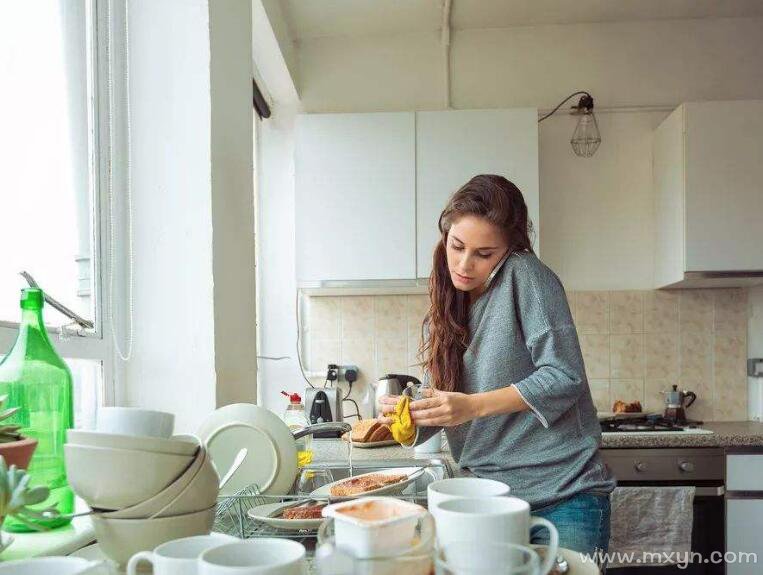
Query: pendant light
[586,137]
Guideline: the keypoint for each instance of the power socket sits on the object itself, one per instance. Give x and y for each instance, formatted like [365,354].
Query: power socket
[343,369]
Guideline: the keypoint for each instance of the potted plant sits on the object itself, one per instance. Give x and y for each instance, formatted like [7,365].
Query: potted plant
[15,498]
[15,449]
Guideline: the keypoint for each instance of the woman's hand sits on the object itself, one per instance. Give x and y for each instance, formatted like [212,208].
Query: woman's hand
[387,404]
[443,408]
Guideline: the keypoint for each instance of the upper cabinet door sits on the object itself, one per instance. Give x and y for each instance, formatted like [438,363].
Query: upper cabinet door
[724,185]
[355,196]
[453,146]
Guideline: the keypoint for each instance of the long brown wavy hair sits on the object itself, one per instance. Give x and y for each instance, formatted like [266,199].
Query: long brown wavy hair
[497,200]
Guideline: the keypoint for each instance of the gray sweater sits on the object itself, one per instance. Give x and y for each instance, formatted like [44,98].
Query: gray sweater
[522,334]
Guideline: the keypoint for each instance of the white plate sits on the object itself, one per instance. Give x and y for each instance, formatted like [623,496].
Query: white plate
[324,492]
[271,461]
[93,553]
[574,561]
[263,512]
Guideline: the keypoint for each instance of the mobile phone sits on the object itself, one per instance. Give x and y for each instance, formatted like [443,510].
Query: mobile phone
[496,269]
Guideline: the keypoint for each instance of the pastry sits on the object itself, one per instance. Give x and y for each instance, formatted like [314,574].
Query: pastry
[365,483]
[622,407]
[304,512]
[363,429]
[381,433]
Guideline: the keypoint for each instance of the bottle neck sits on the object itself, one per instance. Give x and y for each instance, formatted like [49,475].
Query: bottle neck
[33,325]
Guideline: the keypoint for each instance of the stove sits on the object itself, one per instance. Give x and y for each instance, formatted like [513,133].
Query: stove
[654,423]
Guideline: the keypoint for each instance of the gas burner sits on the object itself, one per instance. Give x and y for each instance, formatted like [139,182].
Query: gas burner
[645,423]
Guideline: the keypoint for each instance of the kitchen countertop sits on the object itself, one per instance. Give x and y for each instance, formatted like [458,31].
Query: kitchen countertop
[725,434]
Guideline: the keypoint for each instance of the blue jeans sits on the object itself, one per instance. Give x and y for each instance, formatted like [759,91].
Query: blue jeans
[582,522]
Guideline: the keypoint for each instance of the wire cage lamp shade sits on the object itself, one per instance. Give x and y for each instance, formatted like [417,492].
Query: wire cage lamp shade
[586,137]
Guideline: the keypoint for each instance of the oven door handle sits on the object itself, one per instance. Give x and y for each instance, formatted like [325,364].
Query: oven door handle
[709,491]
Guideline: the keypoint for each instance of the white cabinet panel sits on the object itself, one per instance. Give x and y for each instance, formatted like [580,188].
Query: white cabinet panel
[744,525]
[355,196]
[744,472]
[453,146]
[724,184]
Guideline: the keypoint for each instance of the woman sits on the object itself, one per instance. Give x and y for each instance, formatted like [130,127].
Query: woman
[503,364]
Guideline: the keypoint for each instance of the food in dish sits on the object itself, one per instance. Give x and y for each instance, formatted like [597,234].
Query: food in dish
[370,431]
[374,510]
[622,407]
[304,512]
[365,483]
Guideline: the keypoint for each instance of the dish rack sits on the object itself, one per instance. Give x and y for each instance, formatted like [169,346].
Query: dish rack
[231,516]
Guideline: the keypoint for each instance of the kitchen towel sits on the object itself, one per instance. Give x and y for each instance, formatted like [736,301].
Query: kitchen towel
[650,525]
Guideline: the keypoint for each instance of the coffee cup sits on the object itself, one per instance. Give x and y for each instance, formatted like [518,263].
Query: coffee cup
[492,520]
[178,557]
[266,556]
[135,421]
[57,565]
[505,558]
[463,488]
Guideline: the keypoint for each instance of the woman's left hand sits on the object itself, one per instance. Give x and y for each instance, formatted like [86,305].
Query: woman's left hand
[443,408]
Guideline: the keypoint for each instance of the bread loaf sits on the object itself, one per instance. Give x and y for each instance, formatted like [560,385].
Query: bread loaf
[381,433]
[363,429]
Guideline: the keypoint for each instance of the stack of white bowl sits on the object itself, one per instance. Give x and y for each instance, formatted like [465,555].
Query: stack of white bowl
[145,486]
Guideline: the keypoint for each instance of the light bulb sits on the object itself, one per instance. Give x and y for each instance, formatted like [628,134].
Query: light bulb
[586,137]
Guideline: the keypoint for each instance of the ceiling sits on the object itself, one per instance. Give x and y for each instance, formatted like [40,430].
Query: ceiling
[319,18]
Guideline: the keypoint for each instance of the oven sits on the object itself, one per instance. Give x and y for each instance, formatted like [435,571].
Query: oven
[703,468]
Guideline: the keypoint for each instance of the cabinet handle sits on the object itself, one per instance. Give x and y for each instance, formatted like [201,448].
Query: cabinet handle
[687,466]
[640,466]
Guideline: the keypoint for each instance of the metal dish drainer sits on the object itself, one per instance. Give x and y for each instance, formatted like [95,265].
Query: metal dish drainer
[232,518]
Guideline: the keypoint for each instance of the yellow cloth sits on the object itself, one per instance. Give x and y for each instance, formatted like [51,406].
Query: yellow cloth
[402,426]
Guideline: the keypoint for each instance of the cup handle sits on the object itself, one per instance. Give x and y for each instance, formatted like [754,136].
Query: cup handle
[132,564]
[553,544]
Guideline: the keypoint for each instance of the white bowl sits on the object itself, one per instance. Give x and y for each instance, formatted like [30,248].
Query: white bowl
[178,445]
[196,489]
[120,539]
[116,478]
[135,421]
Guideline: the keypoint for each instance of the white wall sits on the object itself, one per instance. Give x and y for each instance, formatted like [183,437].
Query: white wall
[192,187]
[597,218]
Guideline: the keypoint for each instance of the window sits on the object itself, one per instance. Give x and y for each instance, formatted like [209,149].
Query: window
[54,146]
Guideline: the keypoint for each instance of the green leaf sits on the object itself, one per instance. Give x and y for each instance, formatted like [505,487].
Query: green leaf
[9,413]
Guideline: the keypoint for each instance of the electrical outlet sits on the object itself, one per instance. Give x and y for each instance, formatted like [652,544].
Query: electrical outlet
[343,369]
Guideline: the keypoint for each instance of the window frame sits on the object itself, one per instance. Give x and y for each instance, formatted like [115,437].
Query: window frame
[96,344]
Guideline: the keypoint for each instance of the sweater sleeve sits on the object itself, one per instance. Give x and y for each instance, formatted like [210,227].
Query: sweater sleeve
[559,379]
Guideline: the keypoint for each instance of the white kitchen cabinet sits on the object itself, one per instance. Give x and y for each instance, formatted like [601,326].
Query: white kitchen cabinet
[454,145]
[744,525]
[355,196]
[708,169]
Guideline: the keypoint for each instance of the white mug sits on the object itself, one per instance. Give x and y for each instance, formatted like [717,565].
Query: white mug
[135,421]
[49,565]
[178,557]
[267,556]
[492,520]
[431,445]
[463,488]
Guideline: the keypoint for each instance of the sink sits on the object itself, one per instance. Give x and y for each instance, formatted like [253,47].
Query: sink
[435,469]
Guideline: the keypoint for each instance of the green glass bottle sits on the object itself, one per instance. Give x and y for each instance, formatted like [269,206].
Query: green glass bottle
[37,380]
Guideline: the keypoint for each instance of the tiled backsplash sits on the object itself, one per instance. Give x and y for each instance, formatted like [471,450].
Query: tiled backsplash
[635,343]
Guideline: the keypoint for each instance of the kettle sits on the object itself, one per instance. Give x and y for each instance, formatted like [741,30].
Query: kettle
[676,403]
[391,384]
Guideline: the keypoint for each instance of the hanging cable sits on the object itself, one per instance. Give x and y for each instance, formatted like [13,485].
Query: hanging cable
[299,346]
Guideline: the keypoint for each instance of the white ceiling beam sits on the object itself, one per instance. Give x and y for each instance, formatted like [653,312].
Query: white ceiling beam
[273,53]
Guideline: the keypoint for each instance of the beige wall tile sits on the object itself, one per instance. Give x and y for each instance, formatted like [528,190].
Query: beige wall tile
[661,355]
[730,355]
[592,312]
[731,311]
[661,312]
[417,307]
[654,400]
[600,394]
[702,408]
[626,356]
[323,317]
[627,390]
[391,356]
[322,353]
[730,400]
[595,349]
[390,317]
[360,352]
[695,310]
[626,311]
[696,356]
[357,317]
